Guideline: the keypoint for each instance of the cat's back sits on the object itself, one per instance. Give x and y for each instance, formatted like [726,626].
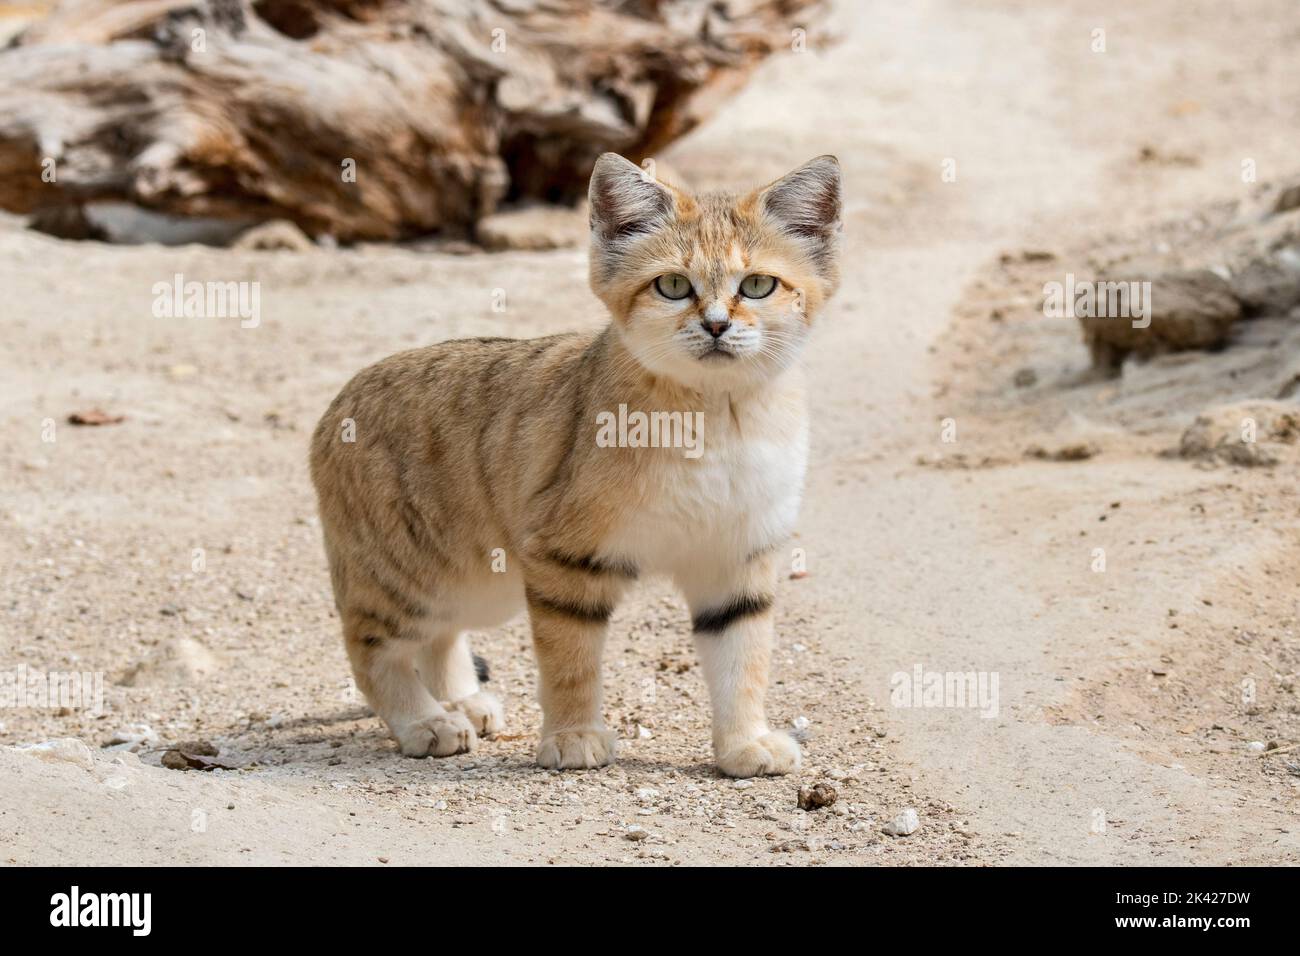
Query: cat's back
[456,384]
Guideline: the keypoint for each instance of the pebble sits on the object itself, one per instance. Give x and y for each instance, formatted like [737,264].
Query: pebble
[133,738]
[905,824]
[1256,746]
[635,833]
[817,796]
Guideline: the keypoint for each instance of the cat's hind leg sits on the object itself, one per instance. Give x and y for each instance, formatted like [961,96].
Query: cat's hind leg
[383,651]
[454,676]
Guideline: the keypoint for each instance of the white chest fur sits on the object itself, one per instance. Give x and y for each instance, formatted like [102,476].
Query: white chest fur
[740,495]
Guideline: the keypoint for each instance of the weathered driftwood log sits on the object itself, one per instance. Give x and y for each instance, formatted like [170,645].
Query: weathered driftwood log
[361,118]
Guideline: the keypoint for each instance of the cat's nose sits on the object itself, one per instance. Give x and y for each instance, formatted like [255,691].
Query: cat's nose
[716,319]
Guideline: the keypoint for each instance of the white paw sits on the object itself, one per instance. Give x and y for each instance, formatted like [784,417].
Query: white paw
[577,749]
[438,736]
[773,753]
[484,711]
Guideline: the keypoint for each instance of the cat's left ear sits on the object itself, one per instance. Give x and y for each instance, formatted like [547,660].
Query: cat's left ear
[805,204]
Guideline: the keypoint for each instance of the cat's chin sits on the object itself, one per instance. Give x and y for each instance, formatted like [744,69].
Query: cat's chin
[716,372]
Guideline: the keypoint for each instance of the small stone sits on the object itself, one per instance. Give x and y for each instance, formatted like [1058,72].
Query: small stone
[1065,451]
[1025,378]
[276,235]
[817,796]
[133,738]
[905,824]
[635,833]
[202,748]
[1288,199]
[1256,746]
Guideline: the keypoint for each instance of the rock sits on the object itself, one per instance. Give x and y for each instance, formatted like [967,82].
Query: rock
[532,228]
[1025,378]
[790,846]
[182,660]
[1288,199]
[67,222]
[95,416]
[179,759]
[1243,433]
[276,235]
[905,824]
[62,750]
[817,796]
[1269,283]
[133,738]
[1070,451]
[1256,746]
[635,833]
[202,748]
[1189,309]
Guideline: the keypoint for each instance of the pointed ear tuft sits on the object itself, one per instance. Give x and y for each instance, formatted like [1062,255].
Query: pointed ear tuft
[625,201]
[806,202]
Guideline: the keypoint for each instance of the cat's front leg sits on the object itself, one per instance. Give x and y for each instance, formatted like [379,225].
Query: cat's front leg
[569,604]
[731,611]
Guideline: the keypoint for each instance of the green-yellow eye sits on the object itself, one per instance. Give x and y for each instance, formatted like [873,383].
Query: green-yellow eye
[673,286]
[757,286]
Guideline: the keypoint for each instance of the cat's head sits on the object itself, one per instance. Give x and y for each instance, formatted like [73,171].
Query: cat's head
[714,290]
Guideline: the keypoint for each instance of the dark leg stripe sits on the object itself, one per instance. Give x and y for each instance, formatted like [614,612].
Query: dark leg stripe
[590,564]
[719,619]
[385,623]
[407,604]
[590,613]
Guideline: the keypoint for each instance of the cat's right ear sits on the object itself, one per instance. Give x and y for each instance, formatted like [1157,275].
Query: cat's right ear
[625,201]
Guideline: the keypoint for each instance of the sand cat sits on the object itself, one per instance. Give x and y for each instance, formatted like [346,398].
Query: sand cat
[464,482]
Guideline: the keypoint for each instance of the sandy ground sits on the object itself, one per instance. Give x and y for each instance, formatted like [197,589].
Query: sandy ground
[1122,734]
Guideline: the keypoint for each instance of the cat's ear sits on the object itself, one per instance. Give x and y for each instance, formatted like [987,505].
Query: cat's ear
[805,204]
[625,200]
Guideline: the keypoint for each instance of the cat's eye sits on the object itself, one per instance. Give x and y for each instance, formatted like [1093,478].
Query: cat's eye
[757,286]
[673,286]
